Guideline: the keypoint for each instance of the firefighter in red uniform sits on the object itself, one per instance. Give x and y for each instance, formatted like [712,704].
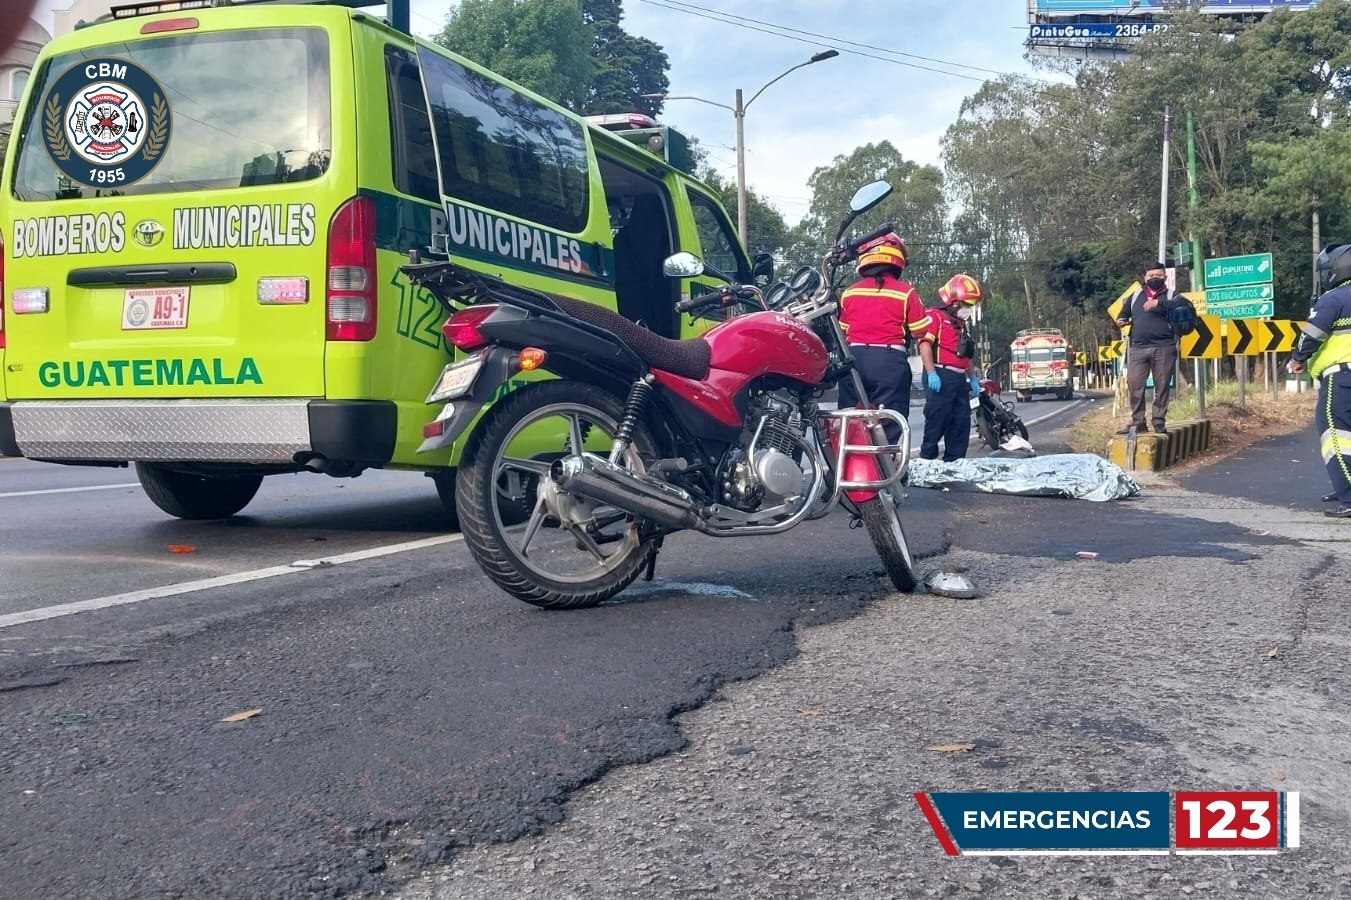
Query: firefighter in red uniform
[879,313]
[948,375]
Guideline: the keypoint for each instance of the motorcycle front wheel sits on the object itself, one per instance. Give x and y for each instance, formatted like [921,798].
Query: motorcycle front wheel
[571,552]
[883,521]
[985,427]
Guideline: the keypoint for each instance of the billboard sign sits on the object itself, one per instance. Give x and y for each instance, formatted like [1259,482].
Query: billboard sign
[1060,31]
[1056,8]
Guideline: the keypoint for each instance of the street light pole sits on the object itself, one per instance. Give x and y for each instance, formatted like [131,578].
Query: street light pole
[739,111]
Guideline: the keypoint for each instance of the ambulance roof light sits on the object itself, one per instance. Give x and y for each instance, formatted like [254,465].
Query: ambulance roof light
[397,10]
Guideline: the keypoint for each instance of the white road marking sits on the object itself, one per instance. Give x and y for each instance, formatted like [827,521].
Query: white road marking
[72,490]
[202,584]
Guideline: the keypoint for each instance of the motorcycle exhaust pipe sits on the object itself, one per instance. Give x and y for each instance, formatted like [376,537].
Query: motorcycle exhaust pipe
[639,495]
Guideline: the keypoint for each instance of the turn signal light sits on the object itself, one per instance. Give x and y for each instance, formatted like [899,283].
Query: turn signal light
[531,358]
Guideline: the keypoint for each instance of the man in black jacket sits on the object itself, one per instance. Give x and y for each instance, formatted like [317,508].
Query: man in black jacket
[1153,347]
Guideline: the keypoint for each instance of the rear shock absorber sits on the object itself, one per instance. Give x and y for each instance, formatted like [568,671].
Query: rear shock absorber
[634,407]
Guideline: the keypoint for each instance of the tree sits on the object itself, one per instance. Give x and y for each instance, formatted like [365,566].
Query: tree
[916,206]
[542,45]
[626,67]
[767,232]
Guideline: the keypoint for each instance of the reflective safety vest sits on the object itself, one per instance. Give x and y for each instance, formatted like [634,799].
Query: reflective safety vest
[945,332]
[1331,322]
[885,314]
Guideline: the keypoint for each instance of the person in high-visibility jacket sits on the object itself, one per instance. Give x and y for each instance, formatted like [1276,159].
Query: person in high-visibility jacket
[1324,345]
[950,378]
[879,313]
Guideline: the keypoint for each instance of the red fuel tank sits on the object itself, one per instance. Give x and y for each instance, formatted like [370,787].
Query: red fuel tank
[746,348]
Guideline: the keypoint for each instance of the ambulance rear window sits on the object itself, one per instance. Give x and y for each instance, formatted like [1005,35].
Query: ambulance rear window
[246,108]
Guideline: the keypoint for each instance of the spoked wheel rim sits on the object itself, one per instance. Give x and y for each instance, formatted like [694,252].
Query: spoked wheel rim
[565,538]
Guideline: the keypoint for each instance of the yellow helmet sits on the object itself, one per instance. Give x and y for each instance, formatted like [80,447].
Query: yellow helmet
[961,289]
[881,255]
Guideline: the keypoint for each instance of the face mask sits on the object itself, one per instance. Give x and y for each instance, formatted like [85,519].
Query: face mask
[964,312]
[1156,284]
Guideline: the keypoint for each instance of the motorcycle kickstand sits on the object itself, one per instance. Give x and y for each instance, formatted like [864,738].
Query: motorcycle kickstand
[651,569]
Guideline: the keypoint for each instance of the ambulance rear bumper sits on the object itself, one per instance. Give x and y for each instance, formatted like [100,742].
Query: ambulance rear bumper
[264,432]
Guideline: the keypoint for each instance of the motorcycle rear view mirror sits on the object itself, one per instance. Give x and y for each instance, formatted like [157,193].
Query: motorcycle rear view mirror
[762,269]
[868,196]
[864,199]
[683,265]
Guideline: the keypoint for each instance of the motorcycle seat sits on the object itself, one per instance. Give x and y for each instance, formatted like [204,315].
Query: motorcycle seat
[688,358]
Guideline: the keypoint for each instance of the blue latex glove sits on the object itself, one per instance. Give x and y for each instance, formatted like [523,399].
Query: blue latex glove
[934,382]
[975,386]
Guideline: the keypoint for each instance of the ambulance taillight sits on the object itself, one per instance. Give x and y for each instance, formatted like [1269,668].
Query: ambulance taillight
[351,272]
[2,292]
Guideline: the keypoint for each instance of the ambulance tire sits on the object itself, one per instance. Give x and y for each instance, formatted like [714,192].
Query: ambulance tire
[186,496]
[445,490]
[512,513]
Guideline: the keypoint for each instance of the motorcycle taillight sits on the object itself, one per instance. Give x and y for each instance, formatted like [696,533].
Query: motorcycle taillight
[461,329]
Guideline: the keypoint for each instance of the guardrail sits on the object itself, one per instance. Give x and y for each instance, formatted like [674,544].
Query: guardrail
[1152,452]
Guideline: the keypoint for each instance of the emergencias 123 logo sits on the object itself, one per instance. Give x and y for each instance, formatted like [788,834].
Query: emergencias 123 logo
[105,122]
[1091,823]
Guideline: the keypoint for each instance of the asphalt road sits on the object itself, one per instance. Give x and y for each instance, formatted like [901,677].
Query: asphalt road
[409,711]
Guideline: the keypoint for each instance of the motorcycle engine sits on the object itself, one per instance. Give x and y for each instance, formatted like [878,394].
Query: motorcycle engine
[767,469]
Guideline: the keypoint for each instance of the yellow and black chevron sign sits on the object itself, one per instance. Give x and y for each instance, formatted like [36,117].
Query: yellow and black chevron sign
[1110,351]
[1080,358]
[1242,337]
[1253,337]
[1204,342]
[1281,335]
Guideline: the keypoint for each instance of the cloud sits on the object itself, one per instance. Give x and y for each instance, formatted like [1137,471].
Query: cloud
[826,110]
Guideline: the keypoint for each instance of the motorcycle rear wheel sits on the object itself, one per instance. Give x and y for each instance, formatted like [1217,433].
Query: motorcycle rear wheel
[883,522]
[544,562]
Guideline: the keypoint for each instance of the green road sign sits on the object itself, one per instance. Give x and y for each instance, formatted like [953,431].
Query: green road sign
[1227,271]
[1248,292]
[1259,310]
[1182,254]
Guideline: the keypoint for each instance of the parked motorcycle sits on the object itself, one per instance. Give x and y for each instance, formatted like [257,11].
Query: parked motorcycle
[639,436]
[996,421]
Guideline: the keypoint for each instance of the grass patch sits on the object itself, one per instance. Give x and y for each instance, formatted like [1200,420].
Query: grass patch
[1233,427]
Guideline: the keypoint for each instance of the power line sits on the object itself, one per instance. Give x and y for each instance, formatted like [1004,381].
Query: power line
[714,17]
[832,40]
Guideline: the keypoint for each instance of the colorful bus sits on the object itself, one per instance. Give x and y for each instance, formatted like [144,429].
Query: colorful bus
[1041,360]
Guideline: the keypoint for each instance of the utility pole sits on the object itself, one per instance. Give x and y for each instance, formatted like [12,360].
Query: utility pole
[1198,270]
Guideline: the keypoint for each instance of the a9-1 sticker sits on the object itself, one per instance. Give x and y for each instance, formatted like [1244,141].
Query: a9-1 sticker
[1235,820]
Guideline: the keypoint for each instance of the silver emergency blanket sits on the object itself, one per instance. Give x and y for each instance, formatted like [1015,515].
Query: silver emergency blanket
[1078,476]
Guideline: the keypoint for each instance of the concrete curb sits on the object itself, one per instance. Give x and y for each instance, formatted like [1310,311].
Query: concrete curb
[1152,452]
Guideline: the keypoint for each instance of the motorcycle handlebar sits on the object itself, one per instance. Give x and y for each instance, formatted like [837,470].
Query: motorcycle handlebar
[724,296]
[851,247]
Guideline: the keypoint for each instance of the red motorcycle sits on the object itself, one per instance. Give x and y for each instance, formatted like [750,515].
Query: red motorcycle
[568,486]
[996,422]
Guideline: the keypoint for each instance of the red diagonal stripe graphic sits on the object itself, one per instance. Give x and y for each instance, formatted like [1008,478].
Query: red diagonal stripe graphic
[926,806]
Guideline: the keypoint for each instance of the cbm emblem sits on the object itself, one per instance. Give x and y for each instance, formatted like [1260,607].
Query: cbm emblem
[105,122]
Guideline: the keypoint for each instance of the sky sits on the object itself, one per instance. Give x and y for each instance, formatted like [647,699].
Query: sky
[872,91]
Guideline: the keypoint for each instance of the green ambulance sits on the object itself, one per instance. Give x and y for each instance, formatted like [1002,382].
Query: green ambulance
[204,211]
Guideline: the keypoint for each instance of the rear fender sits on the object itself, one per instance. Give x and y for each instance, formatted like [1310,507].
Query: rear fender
[499,364]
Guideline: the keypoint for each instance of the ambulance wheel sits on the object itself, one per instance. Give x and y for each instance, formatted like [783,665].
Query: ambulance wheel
[187,496]
[445,489]
[514,508]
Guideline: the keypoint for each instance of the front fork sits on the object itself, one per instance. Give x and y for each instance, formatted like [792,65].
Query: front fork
[865,460]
